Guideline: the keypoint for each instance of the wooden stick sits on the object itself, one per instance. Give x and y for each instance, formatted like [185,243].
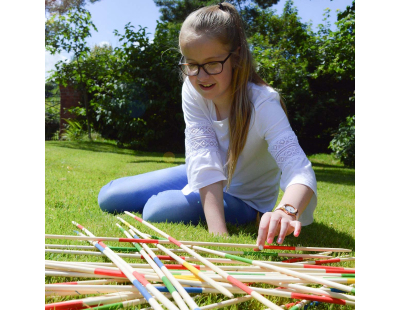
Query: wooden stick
[125,304]
[130,273]
[286,271]
[220,244]
[91,301]
[138,256]
[189,300]
[175,295]
[226,303]
[206,262]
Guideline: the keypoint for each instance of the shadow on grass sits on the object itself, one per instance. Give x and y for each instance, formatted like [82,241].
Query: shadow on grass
[316,234]
[105,148]
[177,161]
[321,165]
[341,176]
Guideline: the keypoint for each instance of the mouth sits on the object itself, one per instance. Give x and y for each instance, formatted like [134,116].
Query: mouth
[206,86]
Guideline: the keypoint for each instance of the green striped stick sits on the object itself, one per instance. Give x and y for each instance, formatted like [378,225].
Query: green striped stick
[207,262]
[192,304]
[187,243]
[131,274]
[286,271]
[159,272]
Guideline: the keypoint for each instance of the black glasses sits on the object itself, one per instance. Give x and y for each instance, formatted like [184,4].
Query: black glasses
[211,68]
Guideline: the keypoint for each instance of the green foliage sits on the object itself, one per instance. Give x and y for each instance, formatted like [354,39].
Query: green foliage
[52,110]
[62,6]
[74,131]
[134,91]
[71,32]
[177,10]
[138,102]
[298,62]
[338,48]
[344,142]
[52,125]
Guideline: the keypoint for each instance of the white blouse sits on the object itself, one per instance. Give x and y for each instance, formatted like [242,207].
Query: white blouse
[271,155]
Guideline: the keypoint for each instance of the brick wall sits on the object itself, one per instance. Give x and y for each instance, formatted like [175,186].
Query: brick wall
[69,97]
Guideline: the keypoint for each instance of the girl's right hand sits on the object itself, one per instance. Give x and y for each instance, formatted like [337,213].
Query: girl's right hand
[279,224]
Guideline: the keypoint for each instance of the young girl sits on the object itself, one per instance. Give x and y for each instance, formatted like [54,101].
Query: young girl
[239,143]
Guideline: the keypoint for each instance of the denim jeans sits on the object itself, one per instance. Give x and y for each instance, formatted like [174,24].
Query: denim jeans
[158,196]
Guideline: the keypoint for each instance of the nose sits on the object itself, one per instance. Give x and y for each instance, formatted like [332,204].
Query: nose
[203,75]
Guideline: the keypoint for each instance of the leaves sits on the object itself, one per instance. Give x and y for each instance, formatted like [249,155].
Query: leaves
[343,143]
[134,90]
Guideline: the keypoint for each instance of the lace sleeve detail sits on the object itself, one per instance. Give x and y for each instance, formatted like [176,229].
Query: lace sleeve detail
[285,149]
[199,138]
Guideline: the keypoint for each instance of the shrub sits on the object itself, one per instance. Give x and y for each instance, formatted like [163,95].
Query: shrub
[51,126]
[75,131]
[344,142]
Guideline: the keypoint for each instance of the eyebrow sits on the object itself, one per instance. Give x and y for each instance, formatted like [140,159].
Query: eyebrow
[220,56]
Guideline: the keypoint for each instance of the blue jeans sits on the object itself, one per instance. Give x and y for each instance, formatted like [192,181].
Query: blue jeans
[158,196]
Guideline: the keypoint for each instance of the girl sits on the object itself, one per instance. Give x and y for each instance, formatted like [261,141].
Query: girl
[239,143]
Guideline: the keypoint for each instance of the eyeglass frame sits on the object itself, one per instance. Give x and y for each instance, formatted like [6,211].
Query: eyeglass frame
[202,66]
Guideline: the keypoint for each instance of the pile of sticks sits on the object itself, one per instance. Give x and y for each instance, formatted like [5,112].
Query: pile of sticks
[119,284]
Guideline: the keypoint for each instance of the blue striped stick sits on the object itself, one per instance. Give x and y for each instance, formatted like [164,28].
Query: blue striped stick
[189,300]
[130,273]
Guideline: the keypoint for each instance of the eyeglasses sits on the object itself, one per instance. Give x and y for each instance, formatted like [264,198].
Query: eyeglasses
[211,68]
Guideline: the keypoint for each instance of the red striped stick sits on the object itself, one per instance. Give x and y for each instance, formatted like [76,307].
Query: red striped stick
[200,243]
[222,273]
[91,301]
[90,238]
[142,284]
[285,270]
[169,266]
[330,261]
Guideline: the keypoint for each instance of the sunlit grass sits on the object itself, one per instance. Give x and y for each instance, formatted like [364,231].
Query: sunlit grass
[76,171]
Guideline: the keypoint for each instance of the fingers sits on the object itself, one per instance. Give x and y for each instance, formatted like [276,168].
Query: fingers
[287,227]
[284,228]
[274,223]
[273,227]
[297,228]
[263,228]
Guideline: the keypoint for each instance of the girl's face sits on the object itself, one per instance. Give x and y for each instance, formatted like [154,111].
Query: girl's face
[200,50]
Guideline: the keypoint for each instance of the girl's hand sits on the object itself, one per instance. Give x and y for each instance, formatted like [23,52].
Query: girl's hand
[279,224]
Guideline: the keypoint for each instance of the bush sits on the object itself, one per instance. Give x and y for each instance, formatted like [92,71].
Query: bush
[74,131]
[52,125]
[344,142]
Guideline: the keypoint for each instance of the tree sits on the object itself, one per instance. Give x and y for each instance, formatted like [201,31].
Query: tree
[139,102]
[63,6]
[74,28]
[299,63]
[337,49]
[176,11]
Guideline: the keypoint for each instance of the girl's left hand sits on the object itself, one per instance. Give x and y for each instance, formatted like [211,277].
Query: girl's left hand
[279,224]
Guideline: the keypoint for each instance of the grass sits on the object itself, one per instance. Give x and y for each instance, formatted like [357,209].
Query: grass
[76,171]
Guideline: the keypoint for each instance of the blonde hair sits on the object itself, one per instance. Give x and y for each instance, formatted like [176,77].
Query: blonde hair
[223,22]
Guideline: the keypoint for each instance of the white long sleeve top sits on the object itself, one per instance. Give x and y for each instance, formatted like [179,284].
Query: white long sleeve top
[271,156]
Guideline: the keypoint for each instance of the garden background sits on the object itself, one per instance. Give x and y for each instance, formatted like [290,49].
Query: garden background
[128,118]
[126,97]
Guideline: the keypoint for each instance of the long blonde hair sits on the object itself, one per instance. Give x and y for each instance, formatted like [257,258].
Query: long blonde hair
[223,22]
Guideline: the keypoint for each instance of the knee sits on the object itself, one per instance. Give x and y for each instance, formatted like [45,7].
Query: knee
[106,198]
[114,197]
[172,206]
[154,209]
[103,196]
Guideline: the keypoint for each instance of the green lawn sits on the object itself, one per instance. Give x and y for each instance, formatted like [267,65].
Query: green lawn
[75,172]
